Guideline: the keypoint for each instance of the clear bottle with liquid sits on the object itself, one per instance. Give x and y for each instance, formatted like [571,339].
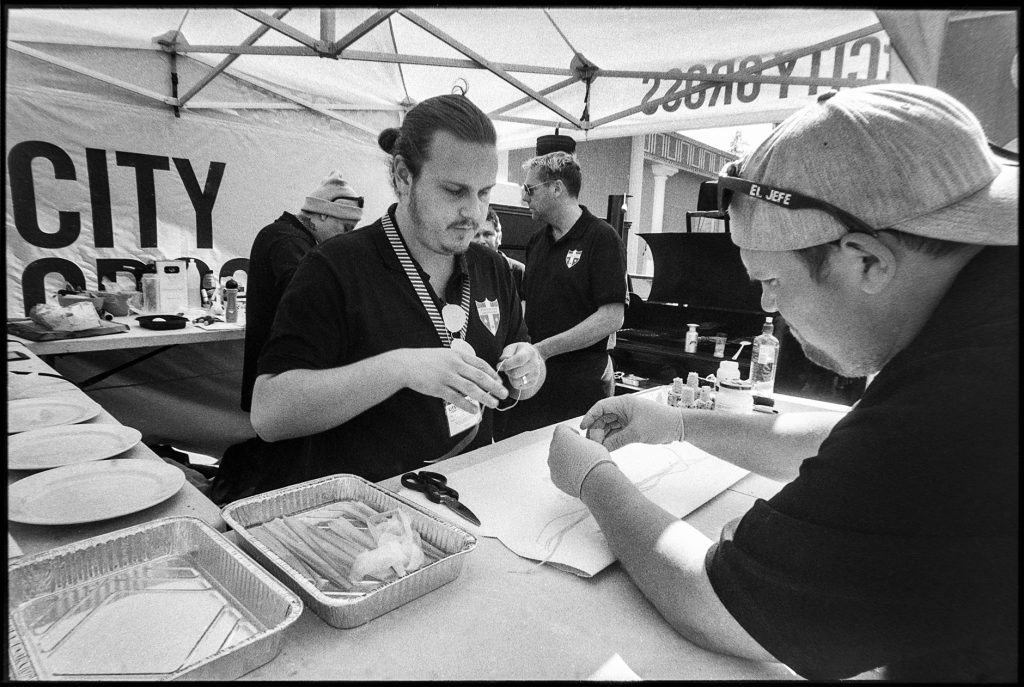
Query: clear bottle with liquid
[194,283]
[763,358]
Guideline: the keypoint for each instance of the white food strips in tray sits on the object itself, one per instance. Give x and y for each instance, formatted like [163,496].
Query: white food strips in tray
[167,599]
[350,610]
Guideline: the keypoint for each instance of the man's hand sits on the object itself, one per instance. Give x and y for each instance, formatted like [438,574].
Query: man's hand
[452,376]
[523,364]
[620,420]
[572,457]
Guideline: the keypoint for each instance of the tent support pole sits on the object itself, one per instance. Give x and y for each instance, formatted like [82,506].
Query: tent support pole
[226,62]
[442,36]
[359,31]
[544,91]
[281,27]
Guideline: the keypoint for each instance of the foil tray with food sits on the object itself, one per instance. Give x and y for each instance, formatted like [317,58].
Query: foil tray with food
[351,550]
[168,599]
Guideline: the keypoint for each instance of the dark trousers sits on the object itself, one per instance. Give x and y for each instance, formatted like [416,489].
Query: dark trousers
[574,384]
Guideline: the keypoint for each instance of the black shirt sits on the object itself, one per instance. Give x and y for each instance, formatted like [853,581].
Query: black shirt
[350,300]
[276,252]
[897,544]
[566,281]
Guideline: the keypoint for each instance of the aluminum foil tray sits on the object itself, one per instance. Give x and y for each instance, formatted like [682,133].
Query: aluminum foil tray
[348,612]
[167,599]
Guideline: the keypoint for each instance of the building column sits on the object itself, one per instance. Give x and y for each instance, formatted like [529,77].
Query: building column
[636,189]
[661,175]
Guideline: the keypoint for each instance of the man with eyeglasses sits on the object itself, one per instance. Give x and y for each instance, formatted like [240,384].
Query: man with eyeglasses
[883,227]
[390,344]
[574,288]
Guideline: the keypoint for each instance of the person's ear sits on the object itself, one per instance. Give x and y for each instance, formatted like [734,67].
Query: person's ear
[872,263]
[403,175]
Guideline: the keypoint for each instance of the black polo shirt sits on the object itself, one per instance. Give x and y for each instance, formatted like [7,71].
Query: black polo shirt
[567,280]
[276,252]
[350,300]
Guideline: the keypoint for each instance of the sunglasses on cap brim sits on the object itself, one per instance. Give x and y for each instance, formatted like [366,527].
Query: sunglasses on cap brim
[728,184]
[357,199]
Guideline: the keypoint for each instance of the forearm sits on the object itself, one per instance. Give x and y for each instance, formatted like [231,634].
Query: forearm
[303,402]
[770,445]
[604,322]
[665,558]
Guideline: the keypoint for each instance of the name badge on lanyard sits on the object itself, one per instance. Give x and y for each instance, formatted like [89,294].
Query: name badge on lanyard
[450,320]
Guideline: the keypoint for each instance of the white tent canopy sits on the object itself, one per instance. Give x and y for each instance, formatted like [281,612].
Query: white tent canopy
[593,72]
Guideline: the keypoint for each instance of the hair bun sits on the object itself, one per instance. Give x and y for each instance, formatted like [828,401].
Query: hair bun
[387,139]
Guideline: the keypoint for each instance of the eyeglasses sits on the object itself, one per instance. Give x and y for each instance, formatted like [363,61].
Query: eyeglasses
[358,199]
[528,190]
[728,182]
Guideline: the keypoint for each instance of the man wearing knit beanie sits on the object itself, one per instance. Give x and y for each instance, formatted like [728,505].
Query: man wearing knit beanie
[883,228]
[331,209]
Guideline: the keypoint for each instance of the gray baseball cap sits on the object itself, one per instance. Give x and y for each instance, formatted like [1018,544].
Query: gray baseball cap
[895,156]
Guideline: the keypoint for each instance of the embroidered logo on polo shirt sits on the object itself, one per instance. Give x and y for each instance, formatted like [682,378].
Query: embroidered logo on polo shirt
[489,313]
[572,257]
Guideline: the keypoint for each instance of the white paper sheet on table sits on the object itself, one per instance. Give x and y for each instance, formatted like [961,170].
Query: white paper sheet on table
[517,503]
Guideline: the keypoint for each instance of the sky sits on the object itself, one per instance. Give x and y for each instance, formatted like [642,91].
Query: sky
[721,137]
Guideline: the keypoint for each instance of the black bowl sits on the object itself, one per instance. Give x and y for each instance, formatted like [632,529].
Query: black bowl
[162,321]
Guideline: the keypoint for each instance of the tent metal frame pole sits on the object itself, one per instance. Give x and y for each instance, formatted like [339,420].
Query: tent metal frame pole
[146,93]
[308,105]
[327,25]
[497,71]
[226,62]
[544,91]
[281,27]
[792,55]
[359,31]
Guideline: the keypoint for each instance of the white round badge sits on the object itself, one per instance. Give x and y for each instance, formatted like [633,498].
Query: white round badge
[454,317]
[462,347]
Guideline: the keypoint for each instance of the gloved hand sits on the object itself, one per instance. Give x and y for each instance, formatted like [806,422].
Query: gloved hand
[572,457]
[620,420]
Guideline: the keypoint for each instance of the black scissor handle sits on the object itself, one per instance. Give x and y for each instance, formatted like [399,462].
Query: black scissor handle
[433,484]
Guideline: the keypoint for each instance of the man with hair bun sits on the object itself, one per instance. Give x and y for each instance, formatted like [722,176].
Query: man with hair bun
[390,344]
[883,227]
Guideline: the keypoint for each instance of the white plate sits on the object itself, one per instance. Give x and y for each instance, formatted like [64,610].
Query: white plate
[94,491]
[34,413]
[51,447]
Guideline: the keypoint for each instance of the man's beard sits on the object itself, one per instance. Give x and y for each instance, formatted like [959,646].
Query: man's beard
[420,223]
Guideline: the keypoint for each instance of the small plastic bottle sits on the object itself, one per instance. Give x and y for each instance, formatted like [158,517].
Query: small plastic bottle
[194,284]
[209,288]
[763,359]
[231,301]
[705,402]
[693,381]
[687,397]
[690,345]
[675,393]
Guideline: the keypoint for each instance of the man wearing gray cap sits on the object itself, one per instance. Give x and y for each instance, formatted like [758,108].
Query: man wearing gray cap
[332,209]
[881,225]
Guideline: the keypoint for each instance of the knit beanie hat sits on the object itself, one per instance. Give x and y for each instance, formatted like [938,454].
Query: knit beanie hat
[335,198]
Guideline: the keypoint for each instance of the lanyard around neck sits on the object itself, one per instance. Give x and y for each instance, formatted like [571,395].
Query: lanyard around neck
[402,253]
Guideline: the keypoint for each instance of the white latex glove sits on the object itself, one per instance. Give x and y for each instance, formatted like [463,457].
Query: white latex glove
[620,420]
[572,457]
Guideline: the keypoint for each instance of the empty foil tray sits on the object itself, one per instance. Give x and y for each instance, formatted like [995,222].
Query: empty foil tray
[163,600]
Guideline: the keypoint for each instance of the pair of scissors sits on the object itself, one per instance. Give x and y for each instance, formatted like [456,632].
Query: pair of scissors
[435,486]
